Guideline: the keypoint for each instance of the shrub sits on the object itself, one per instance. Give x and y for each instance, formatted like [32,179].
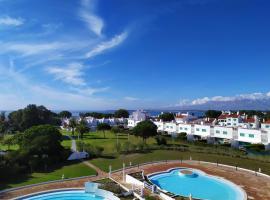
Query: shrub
[161,140]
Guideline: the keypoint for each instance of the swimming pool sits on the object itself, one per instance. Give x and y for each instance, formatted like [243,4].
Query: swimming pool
[185,182]
[64,195]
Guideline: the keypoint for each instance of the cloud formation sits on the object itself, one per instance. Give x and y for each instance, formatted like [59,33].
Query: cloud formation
[9,21]
[205,100]
[71,74]
[104,46]
[93,22]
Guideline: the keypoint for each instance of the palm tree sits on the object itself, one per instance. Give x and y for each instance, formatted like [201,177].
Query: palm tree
[72,124]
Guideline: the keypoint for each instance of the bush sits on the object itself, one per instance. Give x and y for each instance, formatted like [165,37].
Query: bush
[256,147]
[161,140]
[93,151]
[182,136]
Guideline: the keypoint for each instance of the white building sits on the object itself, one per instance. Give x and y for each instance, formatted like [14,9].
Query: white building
[223,132]
[185,128]
[265,125]
[252,136]
[160,125]
[136,117]
[202,130]
[184,117]
[170,128]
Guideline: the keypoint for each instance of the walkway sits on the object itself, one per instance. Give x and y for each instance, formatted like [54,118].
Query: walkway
[73,144]
[100,172]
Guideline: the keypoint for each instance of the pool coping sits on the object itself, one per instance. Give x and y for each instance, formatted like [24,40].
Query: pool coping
[232,184]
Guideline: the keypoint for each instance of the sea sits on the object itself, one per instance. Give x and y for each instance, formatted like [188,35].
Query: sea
[152,113]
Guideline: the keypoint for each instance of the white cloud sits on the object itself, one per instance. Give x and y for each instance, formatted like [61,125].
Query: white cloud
[72,74]
[128,98]
[94,22]
[90,90]
[9,21]
[204,100]
[27,49]
[100,48]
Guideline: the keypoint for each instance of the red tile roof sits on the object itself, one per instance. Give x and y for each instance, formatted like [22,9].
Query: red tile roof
[249,120]
[267,121]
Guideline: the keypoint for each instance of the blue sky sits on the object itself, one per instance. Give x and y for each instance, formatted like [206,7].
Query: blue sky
[106,54]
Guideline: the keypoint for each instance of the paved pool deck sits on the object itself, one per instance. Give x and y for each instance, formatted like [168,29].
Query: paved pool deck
[256,187]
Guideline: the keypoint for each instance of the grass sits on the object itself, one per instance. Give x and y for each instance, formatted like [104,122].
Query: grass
[70,170]
[157,155]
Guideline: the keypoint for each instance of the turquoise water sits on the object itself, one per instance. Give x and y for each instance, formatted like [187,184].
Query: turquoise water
[65,195]
[198,184]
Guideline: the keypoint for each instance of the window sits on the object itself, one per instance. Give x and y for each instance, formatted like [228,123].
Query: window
[186,129]
[197,129]
[203,130]
[251,135]
[181,128]
[242,134]
[229,119]
[224,132]
[234,120]
[217,131]
[234,124]
[229,124]
[267,126]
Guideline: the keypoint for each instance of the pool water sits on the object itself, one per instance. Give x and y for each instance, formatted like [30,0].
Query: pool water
[198,184]
[65,195]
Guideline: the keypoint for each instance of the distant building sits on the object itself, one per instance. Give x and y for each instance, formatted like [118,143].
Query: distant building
[136,117]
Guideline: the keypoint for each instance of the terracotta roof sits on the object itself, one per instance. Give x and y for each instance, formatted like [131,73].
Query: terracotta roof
[233,116]
[223,116]
[180,116]
[249,120]
[267,121]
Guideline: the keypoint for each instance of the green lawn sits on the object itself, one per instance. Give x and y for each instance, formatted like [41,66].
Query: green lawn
[69,171]
[117,162]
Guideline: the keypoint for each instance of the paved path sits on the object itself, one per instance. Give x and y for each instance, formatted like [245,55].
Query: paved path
[73,144]
[100,172]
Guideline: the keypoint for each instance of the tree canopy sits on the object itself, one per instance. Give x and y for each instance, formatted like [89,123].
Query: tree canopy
[145,129]
[121,113]
[103,127]
[213,113]
[166,117]
[65,114]
[32,115]
[82,128]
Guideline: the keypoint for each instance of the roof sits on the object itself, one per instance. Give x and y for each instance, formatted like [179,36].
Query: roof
[223,116]
[180,116]
[267,122]
[249,120]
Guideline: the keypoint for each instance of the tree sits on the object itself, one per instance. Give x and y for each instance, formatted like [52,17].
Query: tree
[82,128]
[32,115]
[166,117]
[213,113]
[42,144]
[72,124]
[121,113]
[65,114]
[145,129]
[103,127]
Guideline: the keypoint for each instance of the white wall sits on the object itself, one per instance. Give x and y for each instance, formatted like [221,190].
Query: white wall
[170,127]
[133,181]
[202,130]
[186,128]
[160,125]
[249,135]
[223,132]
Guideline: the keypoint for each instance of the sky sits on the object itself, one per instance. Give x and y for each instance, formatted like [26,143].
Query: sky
[109,54]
